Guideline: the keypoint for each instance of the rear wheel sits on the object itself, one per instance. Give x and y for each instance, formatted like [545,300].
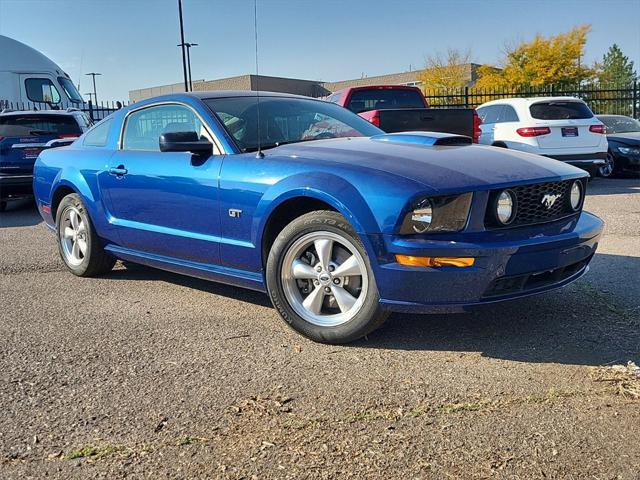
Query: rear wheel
[78,243]
[320,280]
[608,169]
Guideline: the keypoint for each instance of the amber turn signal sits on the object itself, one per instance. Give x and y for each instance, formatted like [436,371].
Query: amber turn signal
[410,261]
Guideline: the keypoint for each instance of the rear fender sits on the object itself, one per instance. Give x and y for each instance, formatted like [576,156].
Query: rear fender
[71,177]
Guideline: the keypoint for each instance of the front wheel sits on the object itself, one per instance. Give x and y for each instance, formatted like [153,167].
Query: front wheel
[608,168]
[320,279]
[78,243]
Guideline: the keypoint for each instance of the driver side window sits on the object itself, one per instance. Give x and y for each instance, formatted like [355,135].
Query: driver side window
[143,128]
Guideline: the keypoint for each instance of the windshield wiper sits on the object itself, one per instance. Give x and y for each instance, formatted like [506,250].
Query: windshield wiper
[273,145]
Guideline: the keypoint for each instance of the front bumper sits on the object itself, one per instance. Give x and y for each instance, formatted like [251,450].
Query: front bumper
[590,162]
[15,187]
[627,163]
[509,264]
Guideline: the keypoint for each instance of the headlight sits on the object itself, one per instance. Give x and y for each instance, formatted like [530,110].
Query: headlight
[422,216]
[437,214]
[575,198]
[506,207]
[629,150]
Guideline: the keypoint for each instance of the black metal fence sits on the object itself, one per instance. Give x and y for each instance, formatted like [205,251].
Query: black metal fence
[95,112]
[602,99]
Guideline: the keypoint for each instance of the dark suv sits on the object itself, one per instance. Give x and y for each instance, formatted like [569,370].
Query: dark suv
[23,135]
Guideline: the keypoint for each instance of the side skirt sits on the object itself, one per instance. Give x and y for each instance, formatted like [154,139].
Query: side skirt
[215,273]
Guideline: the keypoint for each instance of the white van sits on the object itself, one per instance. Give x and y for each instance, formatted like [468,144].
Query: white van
[28,77]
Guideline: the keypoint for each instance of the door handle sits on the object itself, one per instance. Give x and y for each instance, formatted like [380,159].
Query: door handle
[118,171]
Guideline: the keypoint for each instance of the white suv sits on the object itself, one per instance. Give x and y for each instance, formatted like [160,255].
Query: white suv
[563,128]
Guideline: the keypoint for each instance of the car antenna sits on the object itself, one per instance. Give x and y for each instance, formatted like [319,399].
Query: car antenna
[259,153]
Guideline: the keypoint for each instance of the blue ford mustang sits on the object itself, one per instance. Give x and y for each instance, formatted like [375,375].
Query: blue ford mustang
[337,221]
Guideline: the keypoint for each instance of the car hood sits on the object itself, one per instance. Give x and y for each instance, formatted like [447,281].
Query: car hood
[442,168]
[629,138]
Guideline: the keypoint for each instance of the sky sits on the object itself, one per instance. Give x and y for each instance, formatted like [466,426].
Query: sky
[133,42]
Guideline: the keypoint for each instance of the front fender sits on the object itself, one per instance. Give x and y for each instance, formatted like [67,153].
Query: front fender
[328,188]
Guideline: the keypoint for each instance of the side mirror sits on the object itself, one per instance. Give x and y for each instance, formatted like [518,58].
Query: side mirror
[185,142]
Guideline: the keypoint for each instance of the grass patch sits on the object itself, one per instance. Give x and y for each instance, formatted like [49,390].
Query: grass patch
[551,396]
[95,452]
[624,379]
[295,423]
[449,408]
[395,414]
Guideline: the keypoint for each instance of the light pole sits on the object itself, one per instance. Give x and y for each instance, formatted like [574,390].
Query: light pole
[184,61]
[188,47]
[94,75]
[90,94]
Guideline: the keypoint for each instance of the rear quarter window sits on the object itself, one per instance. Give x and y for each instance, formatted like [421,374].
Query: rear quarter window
[560,111]
[98,135]
[38,125]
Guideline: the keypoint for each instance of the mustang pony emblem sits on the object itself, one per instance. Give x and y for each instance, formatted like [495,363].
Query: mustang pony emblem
[548,200]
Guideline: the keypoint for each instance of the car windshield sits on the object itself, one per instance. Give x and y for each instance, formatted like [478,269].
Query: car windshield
[70,89]
[38,125]
[620,124]
[286,120]
[560,110]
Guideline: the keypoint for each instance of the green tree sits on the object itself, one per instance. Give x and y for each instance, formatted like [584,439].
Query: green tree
[616,68]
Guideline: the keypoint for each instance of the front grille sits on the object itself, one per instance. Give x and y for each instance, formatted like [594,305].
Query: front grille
[533,281]
[530,208]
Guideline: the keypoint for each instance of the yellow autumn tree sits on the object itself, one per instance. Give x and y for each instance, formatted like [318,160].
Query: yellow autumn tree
[446,71]
[554,60]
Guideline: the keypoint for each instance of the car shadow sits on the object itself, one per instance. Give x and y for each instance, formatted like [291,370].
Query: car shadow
[143,273]
[594,321]
[613,186]
[20,213]
[586,323]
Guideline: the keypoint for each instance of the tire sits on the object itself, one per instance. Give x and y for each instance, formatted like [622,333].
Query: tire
[320,245]
[75,229]
[608,170]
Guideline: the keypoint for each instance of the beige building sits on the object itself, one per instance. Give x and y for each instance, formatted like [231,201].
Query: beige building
[310,88]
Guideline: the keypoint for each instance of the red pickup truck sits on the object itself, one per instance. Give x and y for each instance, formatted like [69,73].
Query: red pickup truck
[398,108]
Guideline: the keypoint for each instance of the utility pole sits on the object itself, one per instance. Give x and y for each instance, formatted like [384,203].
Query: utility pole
[184,60]
[188,47]
[94,75]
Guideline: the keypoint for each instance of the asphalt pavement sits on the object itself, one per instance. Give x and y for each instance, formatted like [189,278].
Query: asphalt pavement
[147,374]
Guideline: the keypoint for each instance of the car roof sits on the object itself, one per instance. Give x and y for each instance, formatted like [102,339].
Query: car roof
[226,94]
[207,95]
[38,112]
[611,115]
[525,101]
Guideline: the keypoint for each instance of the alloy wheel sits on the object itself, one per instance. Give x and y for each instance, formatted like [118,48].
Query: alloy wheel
[73,236]
[324,278]
[607,169]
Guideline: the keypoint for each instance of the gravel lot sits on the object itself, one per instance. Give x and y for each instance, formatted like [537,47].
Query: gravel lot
[146,374]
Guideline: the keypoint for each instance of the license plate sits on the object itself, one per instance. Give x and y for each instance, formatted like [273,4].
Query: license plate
[569,131]
[30,153]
